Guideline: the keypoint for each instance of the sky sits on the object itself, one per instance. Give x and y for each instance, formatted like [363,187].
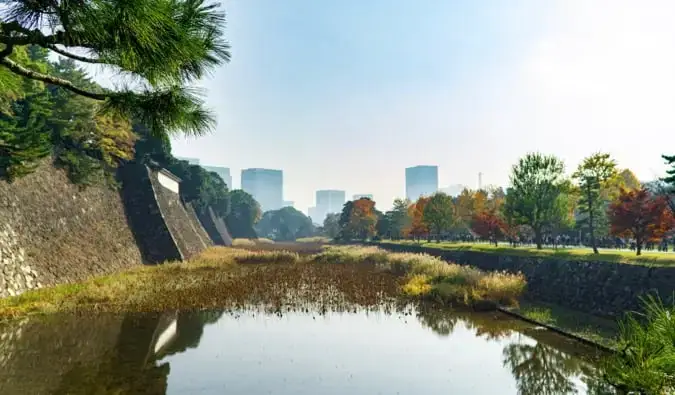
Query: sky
[347,94]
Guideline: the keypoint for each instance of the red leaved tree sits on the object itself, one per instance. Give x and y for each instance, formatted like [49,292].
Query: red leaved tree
[489,226]
[417,228]
[641,216]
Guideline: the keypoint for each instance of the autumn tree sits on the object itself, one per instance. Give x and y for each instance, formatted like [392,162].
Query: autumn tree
[417,228]
[438,213]
[594,173]
[488,226]
[358,220]
[641,216]
[536,182]
[163,45]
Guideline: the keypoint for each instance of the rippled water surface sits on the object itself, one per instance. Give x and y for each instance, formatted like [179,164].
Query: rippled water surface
[254,352]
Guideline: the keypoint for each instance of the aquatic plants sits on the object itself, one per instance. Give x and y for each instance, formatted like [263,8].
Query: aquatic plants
[432,277]
[645,359]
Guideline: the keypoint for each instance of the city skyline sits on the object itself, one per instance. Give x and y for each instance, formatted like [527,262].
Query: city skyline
[265,185]
[474,87]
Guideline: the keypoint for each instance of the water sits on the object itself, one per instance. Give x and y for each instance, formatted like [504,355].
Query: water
[254,352]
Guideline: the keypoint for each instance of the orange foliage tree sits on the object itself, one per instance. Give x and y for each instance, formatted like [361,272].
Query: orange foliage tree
[417,228]
[488,226]
[641,216]
[362,219]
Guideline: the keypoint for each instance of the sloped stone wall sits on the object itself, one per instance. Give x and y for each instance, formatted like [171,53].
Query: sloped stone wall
[216,228]
[52,231]
[178,220]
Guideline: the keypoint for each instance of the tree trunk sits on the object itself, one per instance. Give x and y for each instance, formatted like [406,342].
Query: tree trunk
[590,219]
[638,247]
[537,238]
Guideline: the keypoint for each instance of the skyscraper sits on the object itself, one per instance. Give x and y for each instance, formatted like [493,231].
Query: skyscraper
[223,172]
[420,181]
[265,185]
[327,202]
[367,196]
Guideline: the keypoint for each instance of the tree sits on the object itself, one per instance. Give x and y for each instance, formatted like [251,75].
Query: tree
[438,213]
[536,182]
[163,44]
[417,227]
[358,220]
[670,181]
[488,226]
[399,219]
[594,173]
[244,214]
[331,225]
[629,180]
[464,207]
[640,215]
[285,224]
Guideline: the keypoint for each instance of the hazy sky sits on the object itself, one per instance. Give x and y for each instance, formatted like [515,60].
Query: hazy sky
[346,94]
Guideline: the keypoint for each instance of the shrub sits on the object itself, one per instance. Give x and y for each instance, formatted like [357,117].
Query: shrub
[645,360]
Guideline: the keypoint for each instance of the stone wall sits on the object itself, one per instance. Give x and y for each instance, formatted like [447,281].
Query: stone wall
[216,228]
[151,232]
[601,288]
[188,234]
[52,232]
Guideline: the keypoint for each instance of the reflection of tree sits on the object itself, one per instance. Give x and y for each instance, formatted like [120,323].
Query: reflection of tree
[441,321]
[487,325]
[133,368]
[540,369]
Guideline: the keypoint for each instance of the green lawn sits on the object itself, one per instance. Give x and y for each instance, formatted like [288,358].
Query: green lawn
[619,256]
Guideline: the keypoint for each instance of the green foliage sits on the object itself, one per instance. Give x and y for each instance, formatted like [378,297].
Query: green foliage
[285,224]
[24,135]
[164,44]
[645,361]
[244,214]
[592,175]
[331,225]
[536,184]
[438,213]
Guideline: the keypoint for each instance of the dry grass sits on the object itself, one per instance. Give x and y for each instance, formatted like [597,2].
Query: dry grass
[224,278]
[430,276]
[315,239]
[654,258]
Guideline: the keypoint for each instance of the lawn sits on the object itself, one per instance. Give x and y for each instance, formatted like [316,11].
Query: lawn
[586,254]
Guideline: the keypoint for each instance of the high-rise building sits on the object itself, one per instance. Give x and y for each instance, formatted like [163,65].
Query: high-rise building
[454,190]
[265,185]
[327,202]
[367,196]
[288,203]
[420,181]
[223,172]
[192,161]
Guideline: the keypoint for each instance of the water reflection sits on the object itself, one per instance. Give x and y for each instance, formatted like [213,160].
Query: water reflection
[130,354]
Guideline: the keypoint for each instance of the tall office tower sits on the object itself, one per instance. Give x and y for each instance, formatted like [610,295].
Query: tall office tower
[454,190]
[328,202]
[367,196]
[312,213]
[288,203]
[192,161]
[265,185]
[223,172]
[420,181]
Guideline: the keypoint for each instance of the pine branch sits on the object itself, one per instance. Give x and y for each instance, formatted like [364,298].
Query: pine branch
[34,75]
[73,56]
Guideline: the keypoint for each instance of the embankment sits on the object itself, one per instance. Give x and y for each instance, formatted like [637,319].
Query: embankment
[600,288]
[52,231]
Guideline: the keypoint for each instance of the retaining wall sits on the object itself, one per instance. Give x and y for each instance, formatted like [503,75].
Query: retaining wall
[600,288]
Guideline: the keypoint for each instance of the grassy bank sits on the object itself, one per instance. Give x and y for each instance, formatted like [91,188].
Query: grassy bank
[582,254]
[430,277]
[230,277]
